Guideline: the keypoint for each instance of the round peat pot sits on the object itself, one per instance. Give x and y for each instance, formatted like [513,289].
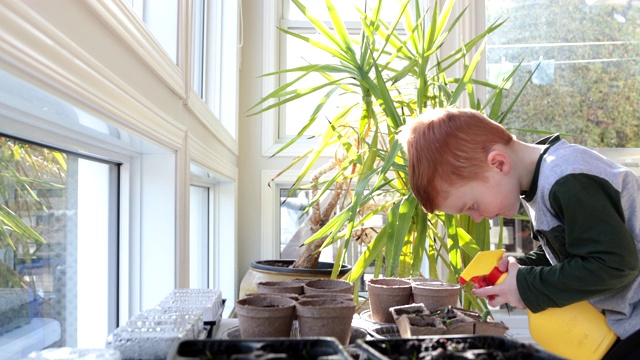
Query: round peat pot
[280,287]
[327,286]
[385,293]
[326,317]
[265,316]
[348,297]
[435,295]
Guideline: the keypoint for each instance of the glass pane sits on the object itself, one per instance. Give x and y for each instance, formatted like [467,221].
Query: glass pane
[295,115]
[298,112]
[198,237]
[346,9]
[293,218]
[57,247]
[198,47]
[295,227]
[588,53]
[161,18]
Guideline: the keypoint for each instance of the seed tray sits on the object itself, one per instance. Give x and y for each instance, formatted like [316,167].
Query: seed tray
[452,347]
[276,348]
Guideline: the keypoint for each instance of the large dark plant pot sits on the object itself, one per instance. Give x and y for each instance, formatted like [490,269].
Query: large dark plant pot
[279,270]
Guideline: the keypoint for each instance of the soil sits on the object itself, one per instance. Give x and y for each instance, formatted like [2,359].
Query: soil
[277,263]
[294,349]
[477,347]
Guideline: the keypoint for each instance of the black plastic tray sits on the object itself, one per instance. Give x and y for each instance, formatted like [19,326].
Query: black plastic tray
[452,347]
[276,348]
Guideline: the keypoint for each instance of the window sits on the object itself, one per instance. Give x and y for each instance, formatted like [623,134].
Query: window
[203,204]
[210,228]
[67,223]
[222,44]
[59,247]
[60,234]
[294,53]
[295,227]
[199,244]
[198,31]
[587,55]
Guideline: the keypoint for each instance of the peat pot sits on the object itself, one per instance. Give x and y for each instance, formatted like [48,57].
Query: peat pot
[435,295]
[280,270]
[265,316]
[281,287]
[328,286]
[326,317]
[385,293]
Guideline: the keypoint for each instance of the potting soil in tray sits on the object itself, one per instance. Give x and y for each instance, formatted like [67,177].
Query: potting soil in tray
[453,347]
[276,348]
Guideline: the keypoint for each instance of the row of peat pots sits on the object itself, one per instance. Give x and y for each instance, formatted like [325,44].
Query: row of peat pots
[302,318]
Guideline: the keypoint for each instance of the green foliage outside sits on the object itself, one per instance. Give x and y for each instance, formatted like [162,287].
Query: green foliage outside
[28,175]
[589,86]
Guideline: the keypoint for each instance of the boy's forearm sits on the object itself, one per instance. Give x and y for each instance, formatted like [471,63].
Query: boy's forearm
[536,257]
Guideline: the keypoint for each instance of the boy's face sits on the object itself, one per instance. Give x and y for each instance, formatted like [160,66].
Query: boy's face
[497,195]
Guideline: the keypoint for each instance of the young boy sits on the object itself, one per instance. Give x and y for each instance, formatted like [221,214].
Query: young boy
[584,210]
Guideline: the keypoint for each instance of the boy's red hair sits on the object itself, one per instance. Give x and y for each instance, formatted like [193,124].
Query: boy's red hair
[447,147]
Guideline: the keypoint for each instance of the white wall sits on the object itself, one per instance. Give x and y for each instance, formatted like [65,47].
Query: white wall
[251,162]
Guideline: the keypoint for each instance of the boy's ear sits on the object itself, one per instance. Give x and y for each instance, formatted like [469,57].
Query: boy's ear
[499,161]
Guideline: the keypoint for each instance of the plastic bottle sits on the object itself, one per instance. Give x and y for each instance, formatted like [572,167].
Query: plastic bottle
[577,331]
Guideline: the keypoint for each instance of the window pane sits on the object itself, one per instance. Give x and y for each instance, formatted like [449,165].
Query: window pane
[198,237]
[198,47]
[588,53]
[292,217]
[295,227]
[346,9]
[161,18]
[298,112]
[57,250]
[294,115]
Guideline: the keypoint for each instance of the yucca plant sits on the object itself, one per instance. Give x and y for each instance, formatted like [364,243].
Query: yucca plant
[397,70]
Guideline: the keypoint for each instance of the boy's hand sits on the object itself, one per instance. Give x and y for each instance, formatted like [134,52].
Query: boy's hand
[507,291]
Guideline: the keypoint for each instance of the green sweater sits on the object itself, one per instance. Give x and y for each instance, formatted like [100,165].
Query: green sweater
[585,212]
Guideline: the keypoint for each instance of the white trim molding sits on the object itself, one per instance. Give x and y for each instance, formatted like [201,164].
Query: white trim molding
[121,18]
[47,57]
[208,119]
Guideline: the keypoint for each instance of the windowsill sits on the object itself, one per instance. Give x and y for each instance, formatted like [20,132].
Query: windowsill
[39,334]
[518,323]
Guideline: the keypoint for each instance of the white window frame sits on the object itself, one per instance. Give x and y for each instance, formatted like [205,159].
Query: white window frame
[221,218]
